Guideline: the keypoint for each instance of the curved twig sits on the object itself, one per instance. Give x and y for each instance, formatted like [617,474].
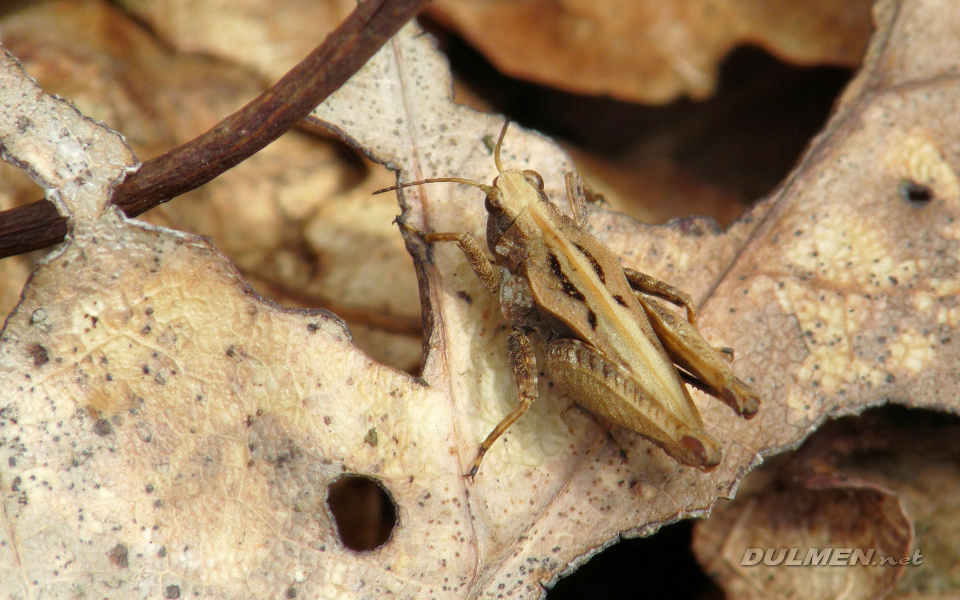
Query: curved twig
[235,138]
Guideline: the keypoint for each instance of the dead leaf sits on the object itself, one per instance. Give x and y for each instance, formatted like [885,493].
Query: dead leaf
[167,432]
[827,291]
[650,51]
[268,37]
[865,484]
[298,219]
[785,524]
[196,429]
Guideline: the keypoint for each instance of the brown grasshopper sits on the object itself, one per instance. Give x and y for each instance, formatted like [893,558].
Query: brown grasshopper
[608,344]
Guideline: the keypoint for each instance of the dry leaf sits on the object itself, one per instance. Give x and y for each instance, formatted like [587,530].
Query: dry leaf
[298,219]
[786,522]
[170,432]
[865,484]
[269,37]
[651,51]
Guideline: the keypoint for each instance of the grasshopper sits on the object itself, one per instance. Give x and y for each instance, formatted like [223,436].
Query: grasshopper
[608,343]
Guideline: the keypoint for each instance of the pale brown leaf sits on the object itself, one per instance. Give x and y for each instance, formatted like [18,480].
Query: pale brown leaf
[866,484]
[196,428]
[298,219]
[833,292]
[651,51]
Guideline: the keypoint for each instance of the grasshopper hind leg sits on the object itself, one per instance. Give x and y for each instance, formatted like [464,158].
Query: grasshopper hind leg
[707,364]
[524,362]
[613,393]
[642,282]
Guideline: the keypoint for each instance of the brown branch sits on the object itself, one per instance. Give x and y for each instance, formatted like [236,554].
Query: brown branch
[235,138]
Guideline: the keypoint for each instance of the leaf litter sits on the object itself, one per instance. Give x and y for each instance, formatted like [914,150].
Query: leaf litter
[168,429]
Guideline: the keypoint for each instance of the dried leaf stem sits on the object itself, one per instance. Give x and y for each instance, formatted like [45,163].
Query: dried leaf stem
[235,138]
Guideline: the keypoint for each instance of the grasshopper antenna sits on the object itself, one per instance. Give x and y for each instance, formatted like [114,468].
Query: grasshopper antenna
[496,149]
[486,188]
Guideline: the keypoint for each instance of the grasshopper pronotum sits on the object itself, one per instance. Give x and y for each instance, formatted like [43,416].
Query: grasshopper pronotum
[608,344]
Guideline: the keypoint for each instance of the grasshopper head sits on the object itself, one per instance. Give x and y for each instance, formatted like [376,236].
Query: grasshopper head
[516,190]
[512,191]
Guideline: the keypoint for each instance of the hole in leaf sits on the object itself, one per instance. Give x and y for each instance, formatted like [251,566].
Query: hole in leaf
[363,510]
[915,193]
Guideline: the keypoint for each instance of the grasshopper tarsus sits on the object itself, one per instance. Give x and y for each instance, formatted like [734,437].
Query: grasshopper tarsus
[473,469]
[405,226]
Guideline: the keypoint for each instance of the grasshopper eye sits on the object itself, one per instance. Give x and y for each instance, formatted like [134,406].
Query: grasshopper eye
[534,179]
[492,203]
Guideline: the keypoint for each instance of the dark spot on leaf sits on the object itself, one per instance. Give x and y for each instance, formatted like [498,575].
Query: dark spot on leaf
[39,355]
[102,427]
[118,556]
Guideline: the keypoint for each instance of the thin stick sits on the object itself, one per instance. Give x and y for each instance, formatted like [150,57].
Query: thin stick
[235,138]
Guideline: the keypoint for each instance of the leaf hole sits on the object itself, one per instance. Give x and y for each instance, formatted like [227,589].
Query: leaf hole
[915,193]
[364,512]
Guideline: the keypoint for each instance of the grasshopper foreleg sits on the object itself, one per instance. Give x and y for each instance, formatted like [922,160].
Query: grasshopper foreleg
[521,354]
[471,250]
